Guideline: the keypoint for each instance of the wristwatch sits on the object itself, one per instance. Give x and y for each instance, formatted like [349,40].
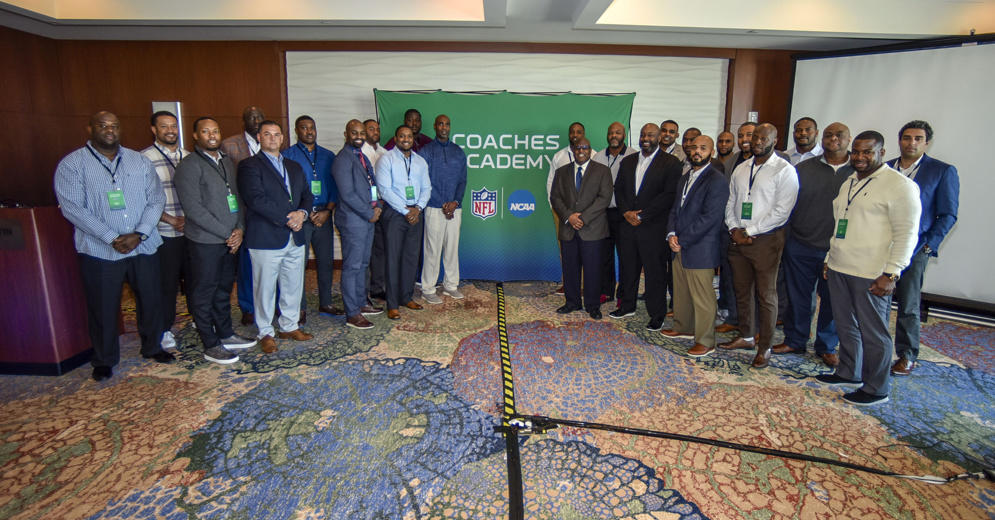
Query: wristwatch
[143,236]
[892,276]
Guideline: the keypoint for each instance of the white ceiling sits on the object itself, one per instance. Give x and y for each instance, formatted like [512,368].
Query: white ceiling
[762,24]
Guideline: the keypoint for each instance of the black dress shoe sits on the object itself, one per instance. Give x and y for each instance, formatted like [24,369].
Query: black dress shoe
[380,296]
[102,373]
[302,320]
[331,309]
[654,324]
[162,357]
[567,309]
[248,318]
[595,314]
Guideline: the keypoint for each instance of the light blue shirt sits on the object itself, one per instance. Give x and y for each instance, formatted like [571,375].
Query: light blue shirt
[82,181]
[395,172]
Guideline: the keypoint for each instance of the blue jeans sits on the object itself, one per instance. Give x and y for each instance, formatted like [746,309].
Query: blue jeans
[803,274]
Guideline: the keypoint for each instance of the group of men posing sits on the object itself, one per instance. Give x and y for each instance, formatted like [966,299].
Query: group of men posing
[828,218]
[247,208]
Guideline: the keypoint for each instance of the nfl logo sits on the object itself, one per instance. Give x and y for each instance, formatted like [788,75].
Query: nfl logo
[484,203]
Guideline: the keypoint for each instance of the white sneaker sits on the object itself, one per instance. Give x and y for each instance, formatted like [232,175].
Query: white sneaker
[168,341]
[456,295]
[236,342]
[431,297]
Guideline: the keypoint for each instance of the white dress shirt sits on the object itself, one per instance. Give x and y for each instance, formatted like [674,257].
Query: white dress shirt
[254,146]
[642,165]
[773,195]
[797,157]
[372,154]
[561,158]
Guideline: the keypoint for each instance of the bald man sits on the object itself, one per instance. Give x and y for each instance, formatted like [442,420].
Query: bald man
[612,157]
[694,234]
[761,197]
[114,199]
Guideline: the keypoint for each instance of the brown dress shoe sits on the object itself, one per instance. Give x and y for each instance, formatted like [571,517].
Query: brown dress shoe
[296,335]
[248,318]
[902,367]
[699,350]
[302,319]
[738,344]
[783,348]
[331,309]
[831,360]
[413,306]
[762,359]
[671,333]
[670,314]
[560,290]
[358,322]
[725,327]
[393,314]
[370,310]
[268,344]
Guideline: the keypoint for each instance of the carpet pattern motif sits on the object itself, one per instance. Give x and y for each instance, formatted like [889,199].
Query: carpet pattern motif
[398,422]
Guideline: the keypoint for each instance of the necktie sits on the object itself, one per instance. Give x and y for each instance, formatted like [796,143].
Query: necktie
[579,170]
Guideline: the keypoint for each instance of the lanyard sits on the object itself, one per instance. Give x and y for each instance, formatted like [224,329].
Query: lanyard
[753,175]
[224,171]
[307,155]
[116,162]
[608,155]
[912,171]
[165,156]
[687,187]
[407,166]
[286,183]
[850,198]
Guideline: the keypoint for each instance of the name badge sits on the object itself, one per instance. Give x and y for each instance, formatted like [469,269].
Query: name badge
[115,199]
[841,228]
[747,212]
[409,193]
[232,203]
[373,193]
[316,187]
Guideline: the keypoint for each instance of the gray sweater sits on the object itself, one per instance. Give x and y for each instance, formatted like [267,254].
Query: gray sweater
[203,193]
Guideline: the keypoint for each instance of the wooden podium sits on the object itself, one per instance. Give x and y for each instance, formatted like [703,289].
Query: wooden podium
[43,328]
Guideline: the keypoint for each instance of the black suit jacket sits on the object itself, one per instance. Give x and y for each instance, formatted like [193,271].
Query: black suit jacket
[267,202]
[655,198]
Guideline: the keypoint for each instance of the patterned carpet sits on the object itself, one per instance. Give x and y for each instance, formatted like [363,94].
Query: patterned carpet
[398,423]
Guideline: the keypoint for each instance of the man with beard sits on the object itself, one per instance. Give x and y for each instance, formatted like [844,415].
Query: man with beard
[644,192]
[208,192]
[612,158]
[669,132]
[809,229]
[316,161]
[277,202]
[443,215]
[412,120]
[165,153]
[806,136]
[359,207]
[761,197]
[727,292]
[939,194]
[581,193]
[695,232]
[113,198]
[877,216]
[375,274]
[403,183]
[724,145]
[237,148]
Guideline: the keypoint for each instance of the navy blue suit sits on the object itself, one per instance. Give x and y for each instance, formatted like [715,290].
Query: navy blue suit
[939,193]
[267,201]
[352,218]
[699,223]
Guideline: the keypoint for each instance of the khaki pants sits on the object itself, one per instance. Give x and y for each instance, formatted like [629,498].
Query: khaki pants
[694,303]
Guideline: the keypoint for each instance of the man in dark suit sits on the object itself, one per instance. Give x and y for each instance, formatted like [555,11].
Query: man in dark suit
[238,148]
[939,193]
[644,193]
[278,200]
[694,235]
[358,209]
[580,196]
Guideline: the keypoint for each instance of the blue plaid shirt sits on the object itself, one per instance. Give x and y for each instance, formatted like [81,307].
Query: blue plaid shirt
[82,181]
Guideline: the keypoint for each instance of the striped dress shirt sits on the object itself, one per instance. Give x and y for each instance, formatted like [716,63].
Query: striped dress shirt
[82,181]
[165,163]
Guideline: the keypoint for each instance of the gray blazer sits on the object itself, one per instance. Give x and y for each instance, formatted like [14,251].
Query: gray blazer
[591,202]
[200,186]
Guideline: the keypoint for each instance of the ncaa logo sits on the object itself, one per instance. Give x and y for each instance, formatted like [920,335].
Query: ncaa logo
[521,203]
[484,203]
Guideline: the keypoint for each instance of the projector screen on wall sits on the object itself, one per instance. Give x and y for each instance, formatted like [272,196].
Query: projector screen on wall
[951,89]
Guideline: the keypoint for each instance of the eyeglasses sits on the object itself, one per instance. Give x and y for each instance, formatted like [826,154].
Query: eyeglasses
[582,148]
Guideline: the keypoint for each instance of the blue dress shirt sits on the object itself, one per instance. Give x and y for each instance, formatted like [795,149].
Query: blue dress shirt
[447,169]
[395,172]
[317,166]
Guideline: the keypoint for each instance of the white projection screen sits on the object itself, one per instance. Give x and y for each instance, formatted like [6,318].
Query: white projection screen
[951,88]
[334,87]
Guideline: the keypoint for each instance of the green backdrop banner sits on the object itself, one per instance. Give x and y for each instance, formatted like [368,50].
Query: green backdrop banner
[508,232]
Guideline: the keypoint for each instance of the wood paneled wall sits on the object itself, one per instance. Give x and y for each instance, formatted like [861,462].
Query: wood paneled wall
[50,88]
